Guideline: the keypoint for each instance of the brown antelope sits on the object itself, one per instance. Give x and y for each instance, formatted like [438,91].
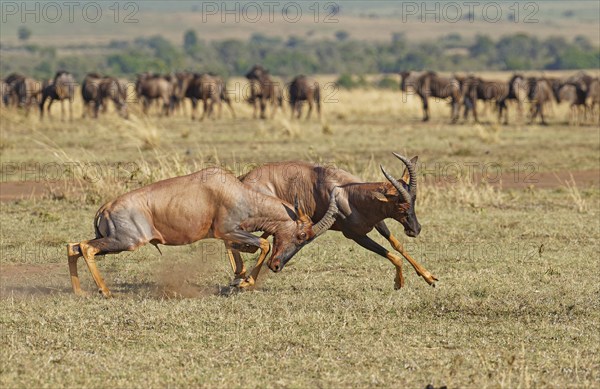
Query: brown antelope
[211,203]
[306,89]
[362,205]
[264,89]
[62,88]
[432,85]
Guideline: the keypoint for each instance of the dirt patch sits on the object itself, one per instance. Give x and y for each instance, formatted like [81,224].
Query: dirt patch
[28,279]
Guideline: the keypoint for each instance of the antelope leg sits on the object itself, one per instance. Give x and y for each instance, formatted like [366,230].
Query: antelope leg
[237,264]
[427,276]
[89,252]
[73,253]
[373,246]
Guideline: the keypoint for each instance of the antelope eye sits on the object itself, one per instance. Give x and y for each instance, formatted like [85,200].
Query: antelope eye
[302,235]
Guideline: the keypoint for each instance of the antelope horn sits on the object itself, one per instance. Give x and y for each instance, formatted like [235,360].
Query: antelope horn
[411,174]
[405,195]
[327,221]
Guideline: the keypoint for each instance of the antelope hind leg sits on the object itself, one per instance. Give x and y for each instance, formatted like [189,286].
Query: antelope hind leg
[73,253]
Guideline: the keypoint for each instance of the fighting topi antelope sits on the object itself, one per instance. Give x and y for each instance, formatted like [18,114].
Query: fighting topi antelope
[211,203]
[361,205]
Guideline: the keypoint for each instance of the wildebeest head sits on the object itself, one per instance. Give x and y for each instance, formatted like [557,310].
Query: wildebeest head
[256,73]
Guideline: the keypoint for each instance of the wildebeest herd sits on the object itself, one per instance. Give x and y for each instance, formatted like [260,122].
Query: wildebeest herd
[580,91]
[167,91]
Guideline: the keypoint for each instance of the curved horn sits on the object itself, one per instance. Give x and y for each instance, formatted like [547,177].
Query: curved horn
[411,174]
[327,221]
[405,195]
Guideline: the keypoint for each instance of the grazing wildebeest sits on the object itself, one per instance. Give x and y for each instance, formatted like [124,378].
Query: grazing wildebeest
[475,88]
[301,89]
[150,87]
[62,88]
[182,81]
[432,85]
[362,205]
[539,94]
[96,90]
[263,90]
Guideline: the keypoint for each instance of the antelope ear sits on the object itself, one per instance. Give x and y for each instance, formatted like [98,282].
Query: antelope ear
[380,196]
[405,176]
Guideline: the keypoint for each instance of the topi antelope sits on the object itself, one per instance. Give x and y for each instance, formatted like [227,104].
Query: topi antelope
[211,203]
[362,205]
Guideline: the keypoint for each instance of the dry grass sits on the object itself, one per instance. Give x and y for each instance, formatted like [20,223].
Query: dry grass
[517,297]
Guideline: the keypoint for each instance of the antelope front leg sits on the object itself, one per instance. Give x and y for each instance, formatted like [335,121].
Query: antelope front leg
[237,265]
[427,276]
[265,247]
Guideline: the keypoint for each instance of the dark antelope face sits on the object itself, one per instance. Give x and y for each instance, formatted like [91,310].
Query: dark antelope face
[403,202]
[288,241]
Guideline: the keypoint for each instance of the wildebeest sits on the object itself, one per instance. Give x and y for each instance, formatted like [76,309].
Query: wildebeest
[96,90]
[303,88]
[408,80]
[517,91]
[62,88]
[263,89]
[593,99]
[431,84]
[539,94]
[475,88]
[211,90]
[25,92]
[151,87]
[9,94]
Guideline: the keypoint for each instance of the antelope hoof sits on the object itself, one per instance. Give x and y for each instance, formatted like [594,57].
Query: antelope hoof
[106,294]
[398,283]
[244,283]
[429,278]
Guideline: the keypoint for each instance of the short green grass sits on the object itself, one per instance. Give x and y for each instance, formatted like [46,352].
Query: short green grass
[516,305]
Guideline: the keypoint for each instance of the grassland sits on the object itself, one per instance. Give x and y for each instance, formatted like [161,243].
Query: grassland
[517,304]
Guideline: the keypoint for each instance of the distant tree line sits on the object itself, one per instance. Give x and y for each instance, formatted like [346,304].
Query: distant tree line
[294,55]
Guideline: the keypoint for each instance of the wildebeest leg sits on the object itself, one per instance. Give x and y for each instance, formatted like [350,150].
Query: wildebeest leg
[70,109]
[310,107]
[263,108]
[385,232]
[205,107]
[194,107]
[425,108]
[475,111]
[373,246]
[49,105]
[273,106]
[145,104]
[454,104]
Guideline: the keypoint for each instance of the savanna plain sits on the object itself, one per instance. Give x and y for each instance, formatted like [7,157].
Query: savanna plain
[511,235]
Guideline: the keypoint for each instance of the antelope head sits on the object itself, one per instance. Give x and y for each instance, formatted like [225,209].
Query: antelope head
[403,200]
[288,241]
